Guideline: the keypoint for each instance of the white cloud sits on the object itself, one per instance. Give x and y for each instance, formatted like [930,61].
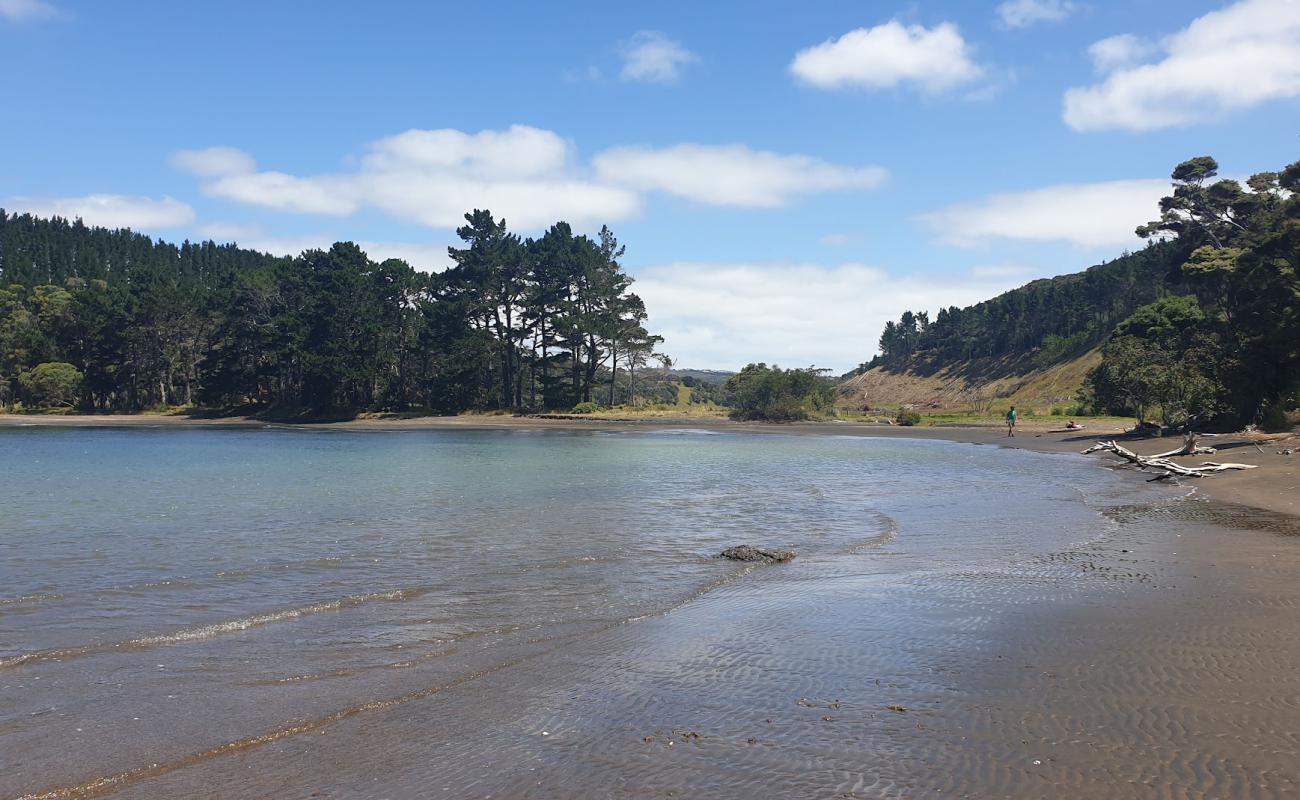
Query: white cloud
[1116,52]
[1223,62]
[652,57]
[1085,214]
[726,315]
[527,175]
[730,175]
[27,10]
[109,210]
[433,177]
[426,257]
[1014,14]
[213,162]
[333,195]
[888,56]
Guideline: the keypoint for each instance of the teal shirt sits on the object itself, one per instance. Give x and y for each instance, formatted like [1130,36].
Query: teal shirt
[1011,416]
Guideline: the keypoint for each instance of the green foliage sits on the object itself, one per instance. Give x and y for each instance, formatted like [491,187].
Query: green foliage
[51,385]
[1274,419]
[514,323]
[908,418]
[1166,357]
[705,392]
[1244,253]
[1061,317]
[587,407]
[760,392]
[1202,326]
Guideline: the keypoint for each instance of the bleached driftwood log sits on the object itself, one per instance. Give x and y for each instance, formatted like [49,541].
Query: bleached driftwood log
[1162,462]
[1189,448]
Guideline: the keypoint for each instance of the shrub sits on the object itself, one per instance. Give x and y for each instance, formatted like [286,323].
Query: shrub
[761,392]
[908,418]
[1274,419]
[586,408]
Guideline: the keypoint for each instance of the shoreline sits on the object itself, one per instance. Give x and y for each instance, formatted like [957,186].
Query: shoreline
[1274,486]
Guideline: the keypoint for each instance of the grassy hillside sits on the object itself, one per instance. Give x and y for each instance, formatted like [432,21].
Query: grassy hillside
[971,387]
[1032,346]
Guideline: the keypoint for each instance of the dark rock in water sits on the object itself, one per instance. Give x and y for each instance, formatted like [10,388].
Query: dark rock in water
[745,552]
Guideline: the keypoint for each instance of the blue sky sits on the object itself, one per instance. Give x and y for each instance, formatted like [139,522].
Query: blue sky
[786,176]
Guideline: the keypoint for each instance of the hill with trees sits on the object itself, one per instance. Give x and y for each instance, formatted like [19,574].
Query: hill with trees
[112,321]
[1202,326]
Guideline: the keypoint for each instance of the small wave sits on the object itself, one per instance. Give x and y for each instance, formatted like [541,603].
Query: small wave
[888,532]
[28,599]
[210,630]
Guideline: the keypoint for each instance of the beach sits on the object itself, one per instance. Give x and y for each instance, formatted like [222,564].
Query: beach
[1060,629]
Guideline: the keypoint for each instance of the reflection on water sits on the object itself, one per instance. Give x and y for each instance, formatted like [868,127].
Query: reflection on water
[169,597]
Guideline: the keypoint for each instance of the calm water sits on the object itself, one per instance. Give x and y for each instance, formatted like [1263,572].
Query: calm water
[171,597]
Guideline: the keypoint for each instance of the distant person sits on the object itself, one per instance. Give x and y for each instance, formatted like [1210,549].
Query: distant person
[1073,426]
[1011,422]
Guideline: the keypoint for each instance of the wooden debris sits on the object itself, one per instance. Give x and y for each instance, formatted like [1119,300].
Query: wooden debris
[1189,448]
[1162,462]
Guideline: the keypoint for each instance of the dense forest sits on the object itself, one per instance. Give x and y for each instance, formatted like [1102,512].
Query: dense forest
[1061,316]
[112,321]
[1201,326]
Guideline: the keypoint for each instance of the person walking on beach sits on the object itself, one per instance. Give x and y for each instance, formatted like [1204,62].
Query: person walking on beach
[1011,422]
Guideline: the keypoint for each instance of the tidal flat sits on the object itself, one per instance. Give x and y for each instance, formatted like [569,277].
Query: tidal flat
[533,612]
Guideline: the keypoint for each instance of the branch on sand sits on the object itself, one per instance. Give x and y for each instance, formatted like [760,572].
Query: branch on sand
[1189,448]
[1162,462]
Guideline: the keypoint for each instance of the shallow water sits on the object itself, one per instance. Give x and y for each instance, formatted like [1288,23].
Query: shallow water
[525,613]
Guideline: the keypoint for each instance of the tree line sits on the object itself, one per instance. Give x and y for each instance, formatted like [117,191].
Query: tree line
[1060,317]
[112,321]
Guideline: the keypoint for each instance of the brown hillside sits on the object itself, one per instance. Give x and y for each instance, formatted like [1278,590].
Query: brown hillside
[970,386]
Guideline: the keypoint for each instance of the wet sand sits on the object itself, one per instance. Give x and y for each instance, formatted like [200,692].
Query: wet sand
[1158,661]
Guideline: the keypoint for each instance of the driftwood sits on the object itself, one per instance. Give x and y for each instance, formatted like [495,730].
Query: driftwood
[1189,448]
[1162,462]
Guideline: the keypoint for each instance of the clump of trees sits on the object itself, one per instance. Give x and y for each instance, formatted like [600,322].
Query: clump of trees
[1167,359]
[1228,352]
[548,322]
[760,392]
[51,385]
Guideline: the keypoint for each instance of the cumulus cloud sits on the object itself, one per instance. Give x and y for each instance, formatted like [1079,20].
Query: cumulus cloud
[1015,14]
[1116,52]
[27,10]
[727,315]
[109,210]
[730,175]
[652,57]
[1223,62]
[528,175]
[888,56]
[1085,214]
[431,177]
